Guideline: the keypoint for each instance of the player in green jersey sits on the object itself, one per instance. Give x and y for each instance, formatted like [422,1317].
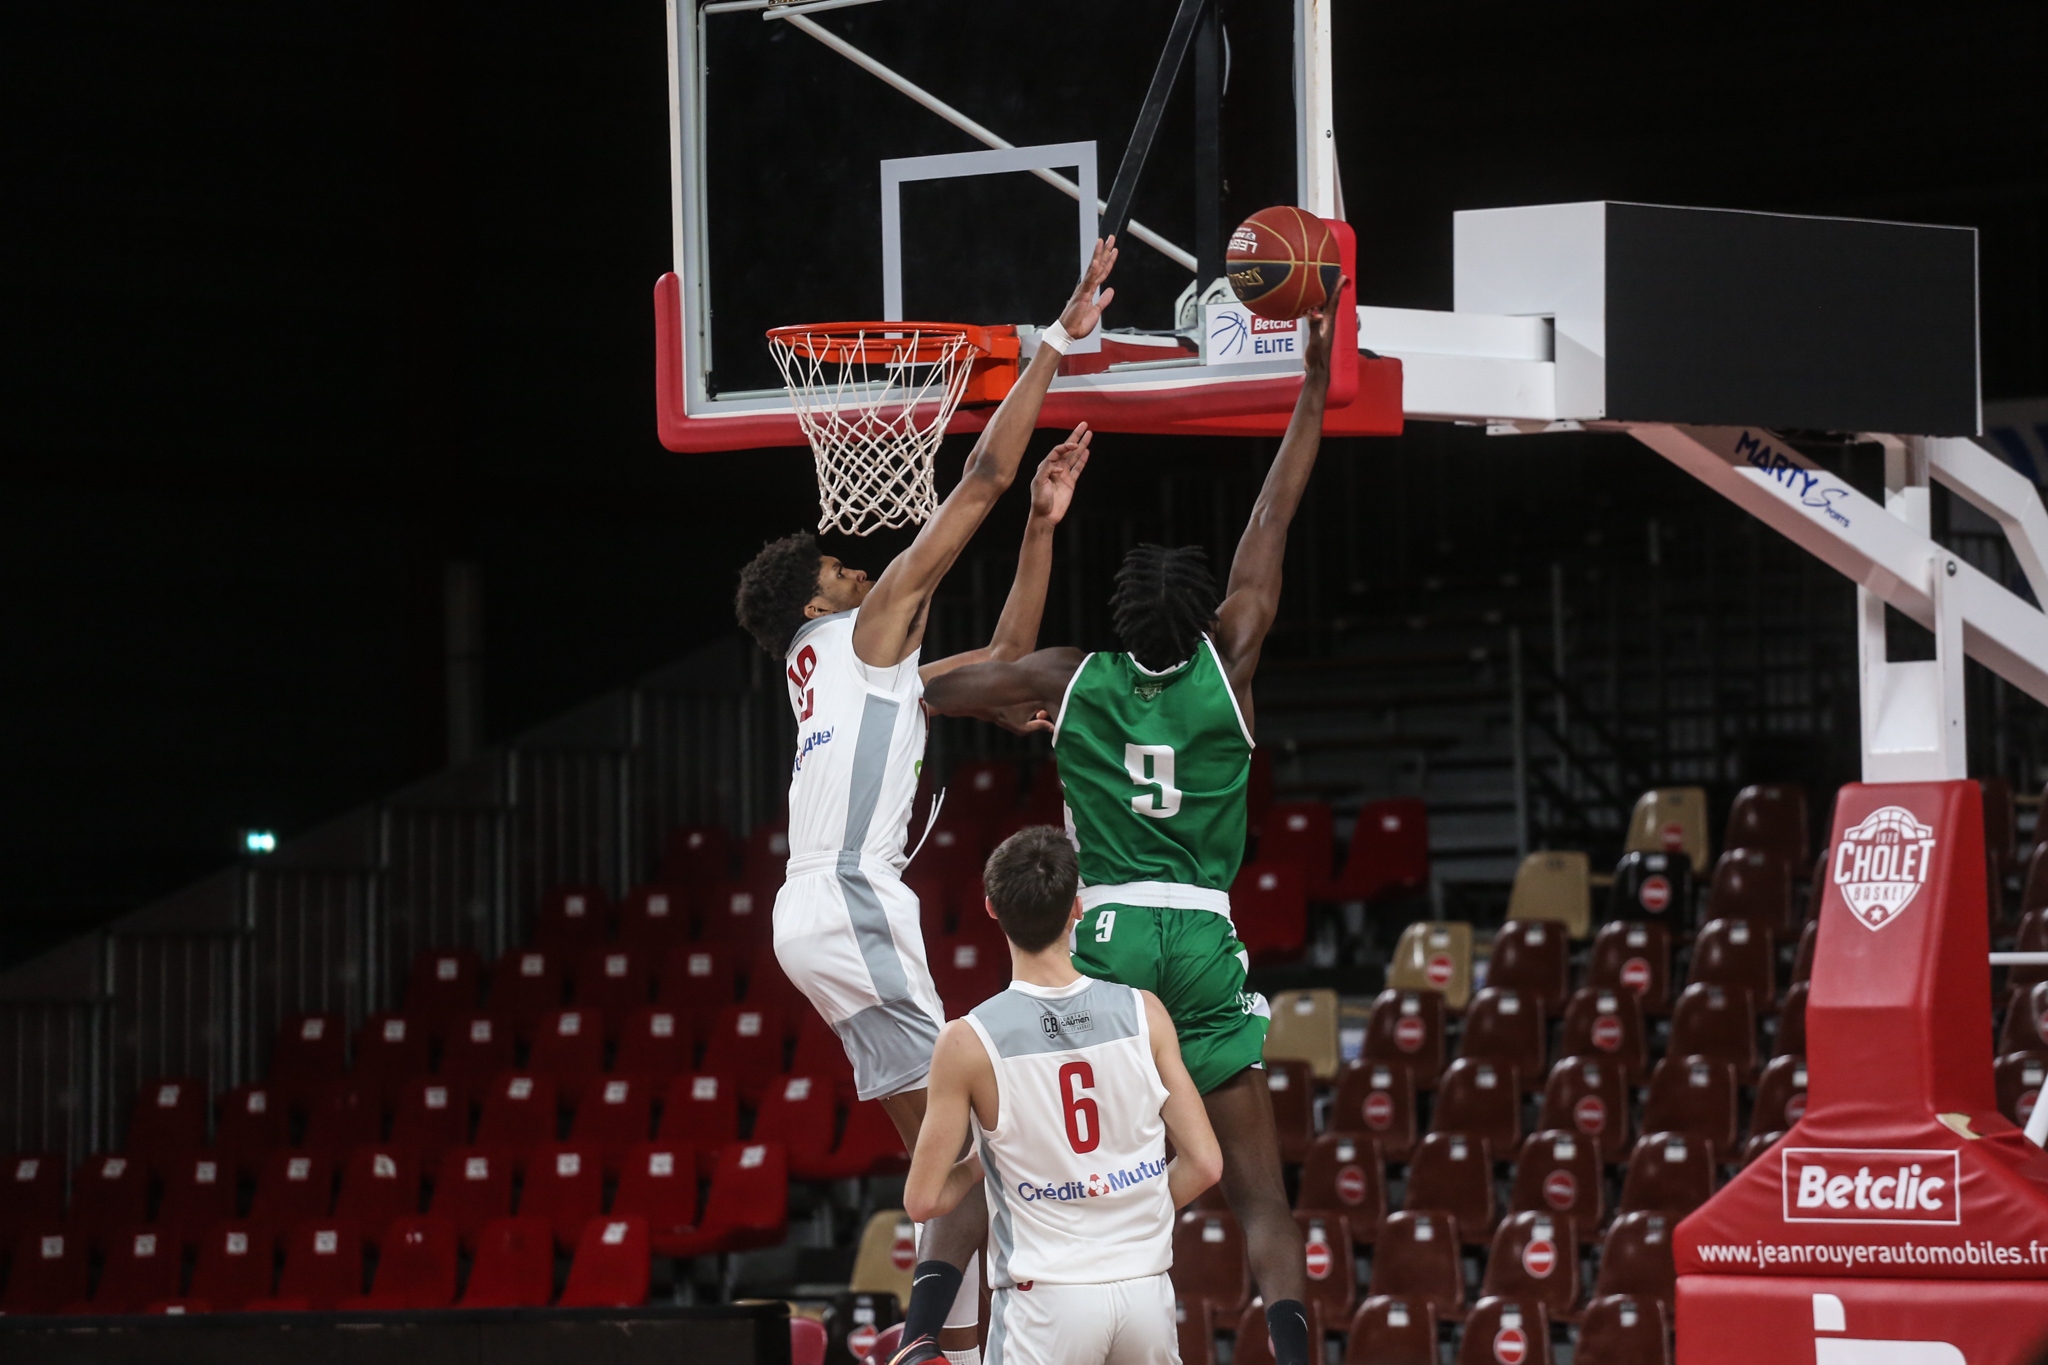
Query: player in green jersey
[1154,748]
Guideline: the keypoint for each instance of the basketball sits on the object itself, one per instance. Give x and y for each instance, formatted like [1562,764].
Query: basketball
[1282,262]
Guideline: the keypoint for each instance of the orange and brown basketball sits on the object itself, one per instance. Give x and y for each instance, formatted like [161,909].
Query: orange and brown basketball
[1282,262]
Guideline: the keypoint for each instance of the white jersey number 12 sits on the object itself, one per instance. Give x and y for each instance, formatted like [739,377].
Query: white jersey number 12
[1151,765]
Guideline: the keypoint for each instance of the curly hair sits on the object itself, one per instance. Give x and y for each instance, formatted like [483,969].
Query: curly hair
[774,589]
[1165,600]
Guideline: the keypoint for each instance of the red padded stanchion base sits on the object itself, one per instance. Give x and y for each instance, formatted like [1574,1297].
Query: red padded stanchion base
[1759,1321]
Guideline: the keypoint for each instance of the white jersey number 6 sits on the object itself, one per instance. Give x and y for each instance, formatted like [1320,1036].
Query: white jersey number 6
[1151,765]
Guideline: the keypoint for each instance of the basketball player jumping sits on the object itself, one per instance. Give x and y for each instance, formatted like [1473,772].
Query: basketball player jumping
[1072,1086]
[1154,750]
[846,928]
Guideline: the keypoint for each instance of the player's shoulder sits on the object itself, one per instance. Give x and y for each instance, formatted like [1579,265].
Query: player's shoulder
[833,629]
[1019,1023]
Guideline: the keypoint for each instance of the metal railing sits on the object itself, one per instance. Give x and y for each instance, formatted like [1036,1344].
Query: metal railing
[197,984]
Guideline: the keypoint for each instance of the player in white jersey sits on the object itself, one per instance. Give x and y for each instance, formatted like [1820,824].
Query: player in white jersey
[1071,1086]
[846,928]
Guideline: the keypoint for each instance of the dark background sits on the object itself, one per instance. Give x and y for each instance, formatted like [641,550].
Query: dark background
[303,303]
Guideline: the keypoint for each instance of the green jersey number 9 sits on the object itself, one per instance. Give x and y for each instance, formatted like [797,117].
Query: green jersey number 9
[1151,765]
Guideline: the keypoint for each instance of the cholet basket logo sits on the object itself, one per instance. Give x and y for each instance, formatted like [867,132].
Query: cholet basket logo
[1881,864]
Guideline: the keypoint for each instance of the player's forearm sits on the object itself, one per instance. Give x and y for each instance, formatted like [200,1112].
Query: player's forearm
[992,464]
[1185,1179]
[1017,629]
[1263,547]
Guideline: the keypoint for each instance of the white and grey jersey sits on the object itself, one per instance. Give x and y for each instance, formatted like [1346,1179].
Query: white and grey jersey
[860,742]
[1075,1167]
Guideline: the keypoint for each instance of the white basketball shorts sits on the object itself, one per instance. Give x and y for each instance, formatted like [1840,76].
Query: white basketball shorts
[1124,1322]
[847,933]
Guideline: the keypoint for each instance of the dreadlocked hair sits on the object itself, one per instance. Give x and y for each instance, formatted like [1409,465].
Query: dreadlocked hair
[1165,600]
[775,587]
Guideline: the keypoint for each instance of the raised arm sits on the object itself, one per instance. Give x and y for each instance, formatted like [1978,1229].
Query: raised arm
[892,617]
[1007,692]
[1252,598]
[1198,1158]
[940,1176]
[1052,492]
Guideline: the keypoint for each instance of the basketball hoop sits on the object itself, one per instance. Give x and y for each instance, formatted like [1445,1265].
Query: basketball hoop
[873,399]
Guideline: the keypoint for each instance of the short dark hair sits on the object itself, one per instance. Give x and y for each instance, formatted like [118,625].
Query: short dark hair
[775,587]
[1165,601]
[1031,879]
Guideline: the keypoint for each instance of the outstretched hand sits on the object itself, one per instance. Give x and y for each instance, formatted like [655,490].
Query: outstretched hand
[1322,328]
[1084,309]
[1052,487]
[1029,718]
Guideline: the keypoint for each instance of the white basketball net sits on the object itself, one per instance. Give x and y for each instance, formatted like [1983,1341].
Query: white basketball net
[874,403]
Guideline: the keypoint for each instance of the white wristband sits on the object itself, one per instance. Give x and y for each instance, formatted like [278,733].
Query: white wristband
[1056,337]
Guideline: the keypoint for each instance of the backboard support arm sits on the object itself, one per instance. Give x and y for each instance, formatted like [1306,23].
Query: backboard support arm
[1125,186]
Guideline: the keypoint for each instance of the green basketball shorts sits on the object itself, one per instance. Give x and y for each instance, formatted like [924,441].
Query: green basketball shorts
[1192,961]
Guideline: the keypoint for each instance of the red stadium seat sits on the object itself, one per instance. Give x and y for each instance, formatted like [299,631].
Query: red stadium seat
[983,790]
[1390,1329]
[1772,817]
[1535,1258]
[869,1145]
[568,1048]
[1753,884]
[1291,1086]
[178,1308]
[658,1183]
[168,1121]
[737,916]
[49,1274]
[572,919]
[390,1050]
[1789,1033]
[1780,1096]
[1559,1173]
[1194,1324]
[109,1191]
[1377,1100]
[617,1112]
[514,1265]
[806,1341]
[770,989]
[31,1195]
[2026,1022]
[966,970]
[1635,954]
[1505,1329]
[1656,887]
[519,1112]
[701,1112]
[444,985]
[430,1116]
[476,1048]
[698,980]
[199,1191]
[1505,1027]
[343,1115]
[416,1265]
[1452,1174]
[234,1266]
[1415,1257]
[378,1183]
[2017,1078]
[1636,1258]
[1406,1030]
[653,920]
[323,1264]
[1269,908]
[295,1187]
[472,1188]
[526,984]
[745,1044]
[1693,1095]
[656,1044]
[1802,961]
[1254,1347]
[614,981]
[1715,1022]
[564,1184]
[1299,833]
[695,855]
[1735,954]
[1481,1100]
[1588,1094]
[1622,1330]
[1754,1146]
[1209,1259]
[2032,934]
[797,1112]
[1389,853]
[1343,1173]
[748,1206]
[1532,958]
[1669,1173]
[820,1053]
[611,1265]
[141,1265]
[311,1050]
[1607,1021]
